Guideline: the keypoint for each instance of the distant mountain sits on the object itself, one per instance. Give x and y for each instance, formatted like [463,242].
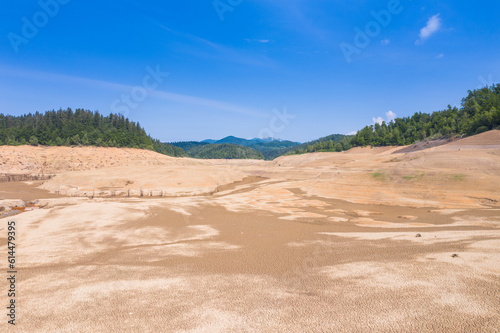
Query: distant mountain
[235,141]
[244,142]
[270,148]
[224,151]
[268,139]
[188,145]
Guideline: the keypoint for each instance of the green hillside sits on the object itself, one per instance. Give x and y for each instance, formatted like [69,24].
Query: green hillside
[234,140]
[224,151]
[79,127]
[270,148]
[334,142]
[273,149]
[479,112]
[188,145]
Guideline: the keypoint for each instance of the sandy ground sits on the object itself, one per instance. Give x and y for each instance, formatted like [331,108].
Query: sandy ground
[369,240]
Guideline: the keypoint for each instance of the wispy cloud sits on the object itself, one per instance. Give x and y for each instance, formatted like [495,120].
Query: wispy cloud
[207,49]
[249,40]
[118,87]
[439,56]
[300,17]
[207,103]
[384,42]
[433,25]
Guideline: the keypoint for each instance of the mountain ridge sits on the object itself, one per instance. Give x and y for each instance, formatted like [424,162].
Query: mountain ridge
[270,148]
[232,139]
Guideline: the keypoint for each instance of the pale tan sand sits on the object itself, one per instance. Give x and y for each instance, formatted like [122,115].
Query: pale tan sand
[220,270]
[311,243]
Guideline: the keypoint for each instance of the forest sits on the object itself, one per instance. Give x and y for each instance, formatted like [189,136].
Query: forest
[188,145]
[78,128]
[331,143]
[225,151]
[479,112]
[270,148]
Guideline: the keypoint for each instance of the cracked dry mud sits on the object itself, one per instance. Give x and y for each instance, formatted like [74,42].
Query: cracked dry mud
[321,242]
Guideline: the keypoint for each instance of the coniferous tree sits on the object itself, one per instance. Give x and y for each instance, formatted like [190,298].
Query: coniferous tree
[480,112]
[79,127]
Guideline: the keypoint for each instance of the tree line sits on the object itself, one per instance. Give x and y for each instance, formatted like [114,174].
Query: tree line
[79,128]
[331,143]
[224,151]
[269,148]
[479,112]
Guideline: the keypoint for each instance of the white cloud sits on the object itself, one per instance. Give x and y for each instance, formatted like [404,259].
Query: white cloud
[385,42]
[390,116]
[433,26]
[378,120]
[352,133]
[257,40]
[439,56]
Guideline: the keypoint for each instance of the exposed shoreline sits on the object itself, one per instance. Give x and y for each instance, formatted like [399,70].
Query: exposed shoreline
[357,241]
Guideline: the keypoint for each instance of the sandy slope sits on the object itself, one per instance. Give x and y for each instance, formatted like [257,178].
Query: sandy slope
[447,176]
[362,241]
[54,160]
[463,173]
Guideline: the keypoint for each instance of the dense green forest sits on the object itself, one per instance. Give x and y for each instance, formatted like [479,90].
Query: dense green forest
[273,149]
[167,149]
[479,112]
[79,127]
[225,151]
[270,148]
[207,150]
[334,142]
[188,145]
[87,128]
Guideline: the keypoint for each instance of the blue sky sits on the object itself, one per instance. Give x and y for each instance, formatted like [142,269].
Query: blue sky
[293,69]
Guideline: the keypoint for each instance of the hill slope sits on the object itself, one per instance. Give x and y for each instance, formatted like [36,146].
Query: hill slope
[479,113]
[270,148]
[188,145]
[334,142]
[224,151]
[79,128]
